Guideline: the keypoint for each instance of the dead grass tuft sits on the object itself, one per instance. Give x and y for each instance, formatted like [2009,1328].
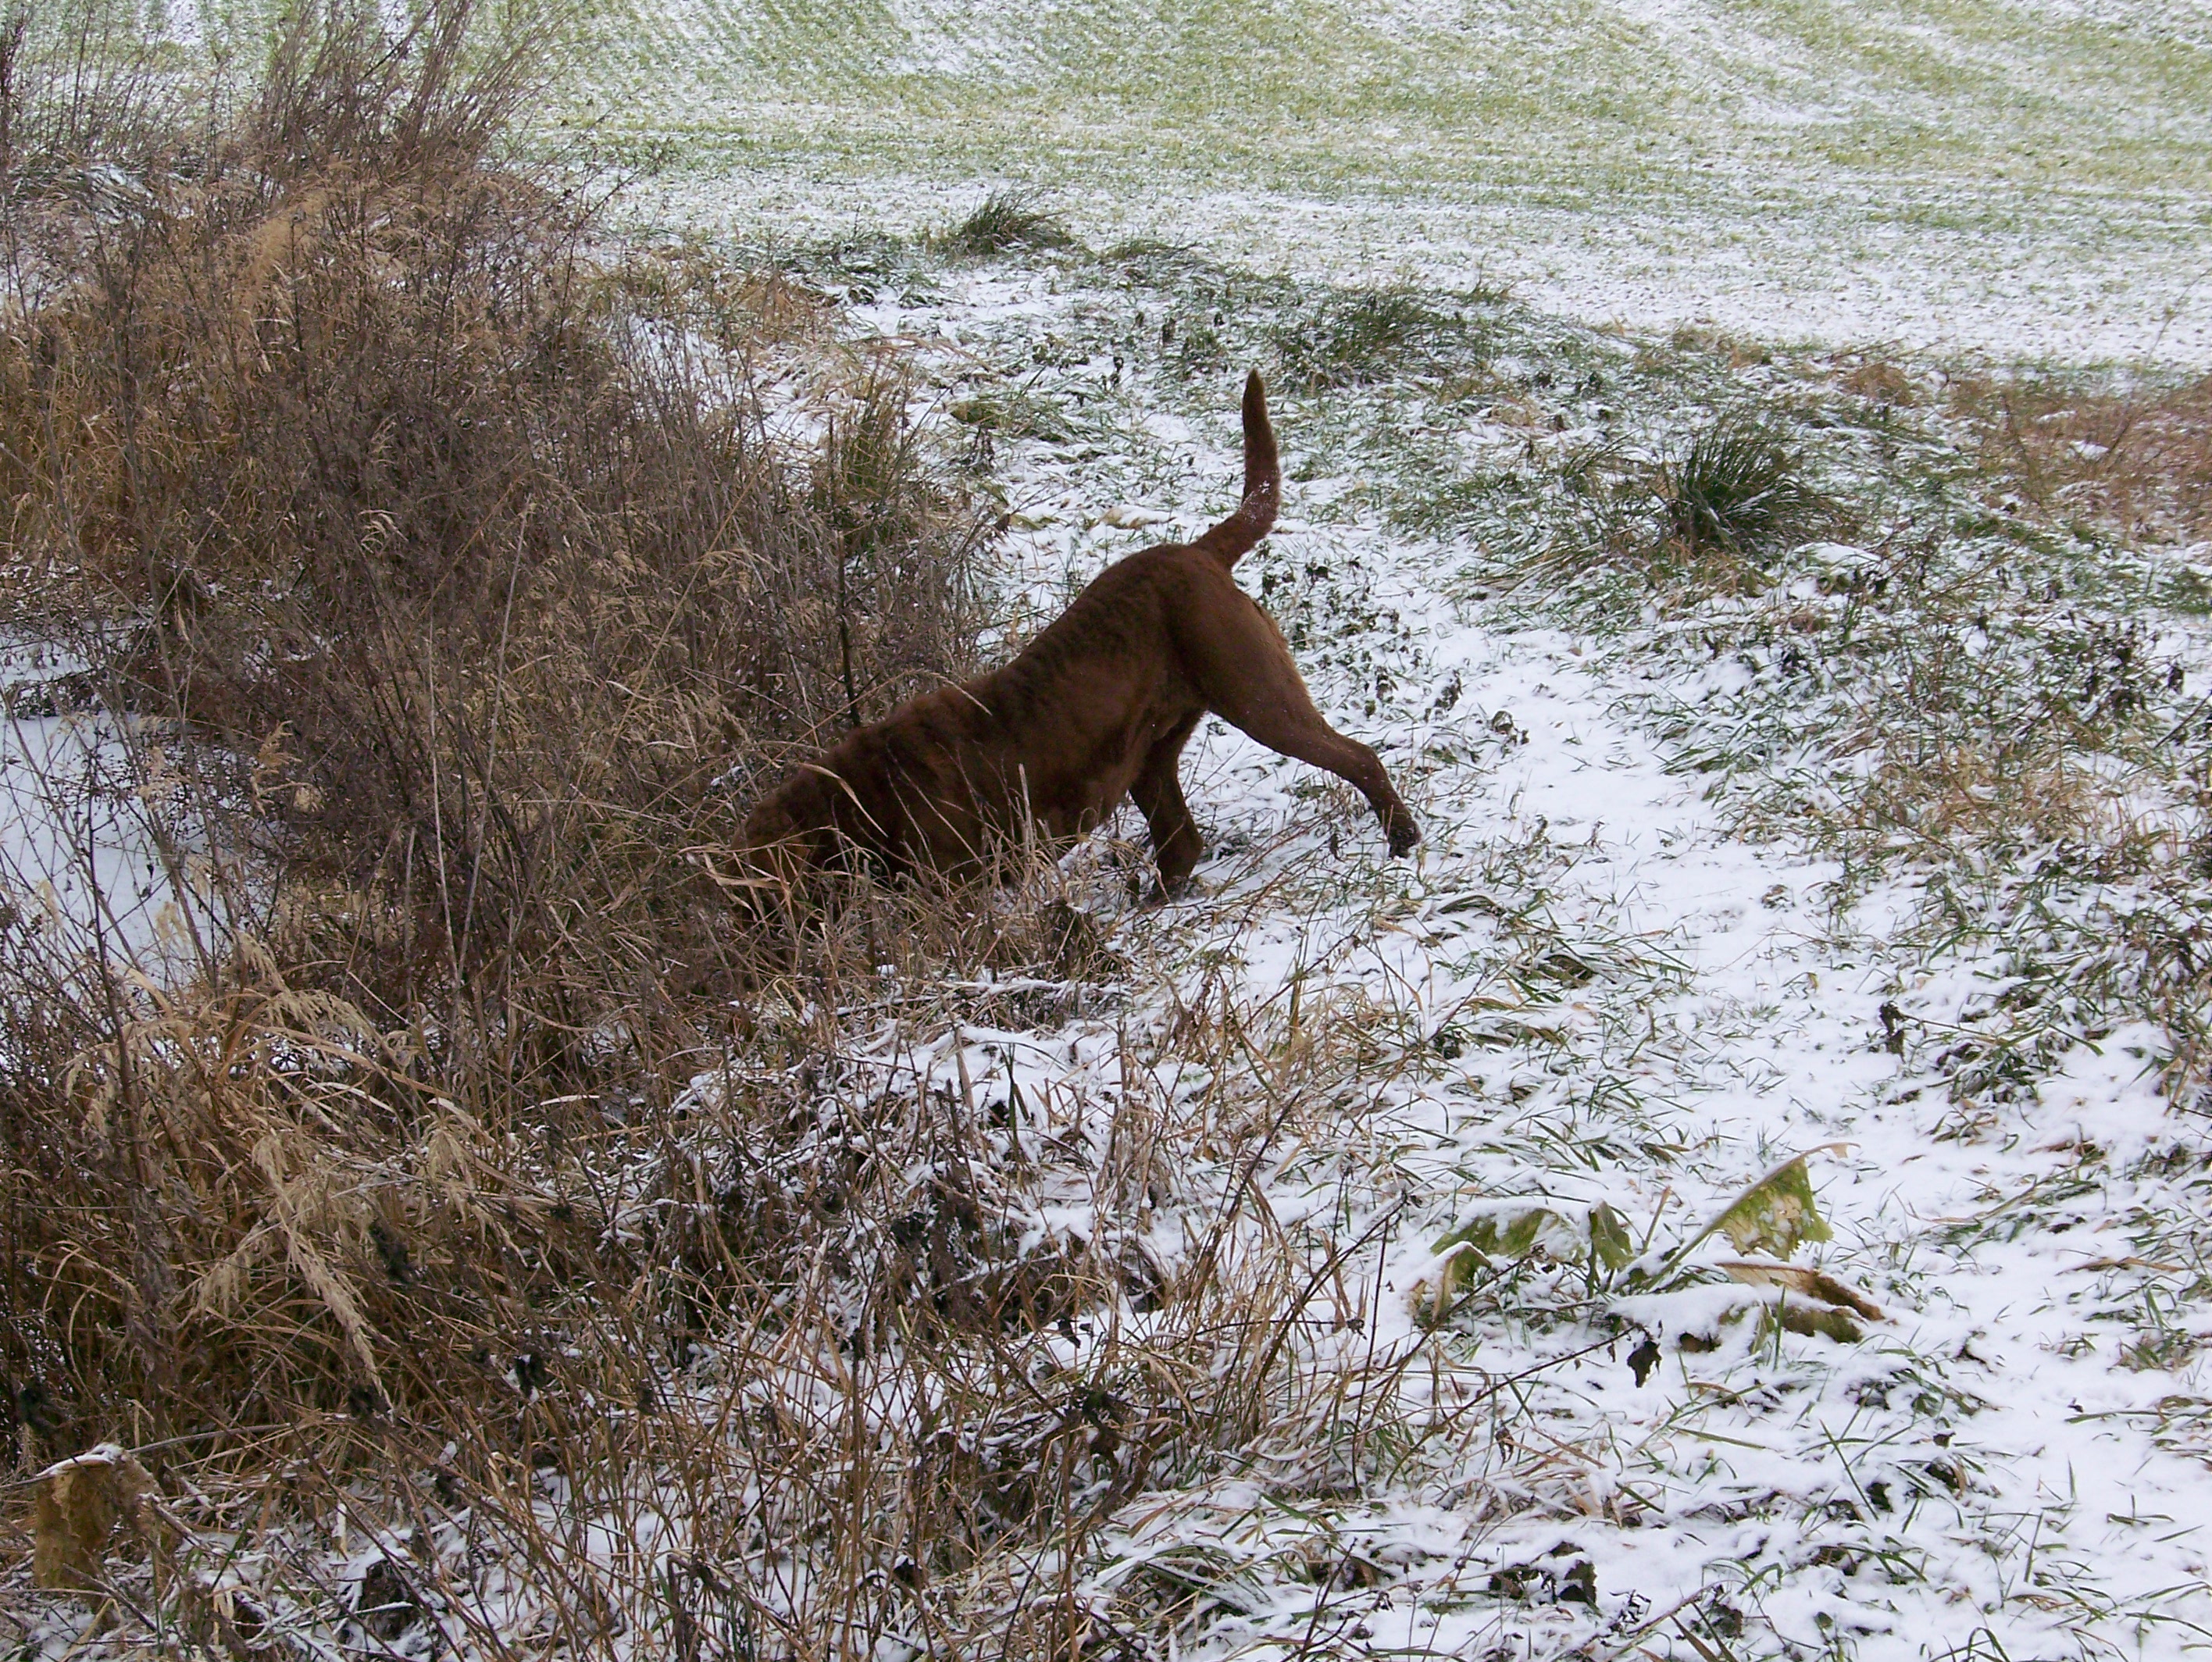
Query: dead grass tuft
[2138,461]
[1879,381]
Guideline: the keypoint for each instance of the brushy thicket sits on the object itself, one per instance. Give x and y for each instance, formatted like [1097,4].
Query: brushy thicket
[442,595]
[401,495]
[484,598]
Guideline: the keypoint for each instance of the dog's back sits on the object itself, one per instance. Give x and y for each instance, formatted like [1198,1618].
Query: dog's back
[1096,709]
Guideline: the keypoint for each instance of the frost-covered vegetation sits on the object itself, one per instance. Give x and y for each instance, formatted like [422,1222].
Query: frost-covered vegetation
[2024,177]
[1741,1192]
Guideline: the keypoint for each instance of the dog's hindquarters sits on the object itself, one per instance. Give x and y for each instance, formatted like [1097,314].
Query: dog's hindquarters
[1097,708]
[1240,666]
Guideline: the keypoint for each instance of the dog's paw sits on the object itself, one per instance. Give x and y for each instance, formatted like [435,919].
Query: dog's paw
[1164,893]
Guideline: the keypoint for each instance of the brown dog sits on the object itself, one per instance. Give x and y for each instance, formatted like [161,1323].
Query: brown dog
[1097,708]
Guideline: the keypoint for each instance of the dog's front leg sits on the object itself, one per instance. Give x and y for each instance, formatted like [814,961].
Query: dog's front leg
[1157,792]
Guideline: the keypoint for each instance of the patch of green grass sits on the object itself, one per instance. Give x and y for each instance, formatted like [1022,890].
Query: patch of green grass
[1013,413]
[1006,221]
[1738,486]
[1199,349]
[859,267]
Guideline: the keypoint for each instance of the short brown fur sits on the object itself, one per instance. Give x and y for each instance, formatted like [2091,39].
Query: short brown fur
[1096,708]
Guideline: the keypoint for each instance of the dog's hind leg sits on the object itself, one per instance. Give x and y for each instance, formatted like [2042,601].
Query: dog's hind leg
[1244,672]
[1177,845]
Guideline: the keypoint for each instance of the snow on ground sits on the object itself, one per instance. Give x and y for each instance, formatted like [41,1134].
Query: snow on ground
[1986,1466]
[1602,998]
[1772,259]
[2017,180]
[1775,1483]
[1593,1018]
[82,862]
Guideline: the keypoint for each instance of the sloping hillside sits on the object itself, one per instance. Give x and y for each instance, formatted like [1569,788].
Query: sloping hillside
[2023,180]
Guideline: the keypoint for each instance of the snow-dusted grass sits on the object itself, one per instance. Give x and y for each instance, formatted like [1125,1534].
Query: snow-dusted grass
[1353,1215]
[2025,179]
[1740,1190]
[1978,1010]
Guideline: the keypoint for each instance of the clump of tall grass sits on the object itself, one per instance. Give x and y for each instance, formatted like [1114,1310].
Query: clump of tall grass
[1353,337]
[1736,487]
[398,491]
[1004,222]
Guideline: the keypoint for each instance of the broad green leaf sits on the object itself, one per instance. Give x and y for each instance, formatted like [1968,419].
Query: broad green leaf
[1511,1231]
[1774,1214]
[1508,1231]
[1609,1237]
[1505,1231]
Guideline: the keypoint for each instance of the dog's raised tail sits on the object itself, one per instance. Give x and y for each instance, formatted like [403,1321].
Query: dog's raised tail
[1235,536]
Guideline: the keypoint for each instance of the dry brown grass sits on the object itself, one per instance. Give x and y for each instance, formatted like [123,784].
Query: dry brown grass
[479,548]
[2138,461]
[1944,797]
[477,1184]
[799,1347]
[1879,381]
[1719,343]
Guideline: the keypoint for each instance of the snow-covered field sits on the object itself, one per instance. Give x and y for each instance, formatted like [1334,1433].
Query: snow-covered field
[2023,179]
[2018,179]
[1604,996]
[1584,1374]
[1789,262]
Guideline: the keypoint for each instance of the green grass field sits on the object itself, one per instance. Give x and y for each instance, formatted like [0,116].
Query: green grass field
[2016,179]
